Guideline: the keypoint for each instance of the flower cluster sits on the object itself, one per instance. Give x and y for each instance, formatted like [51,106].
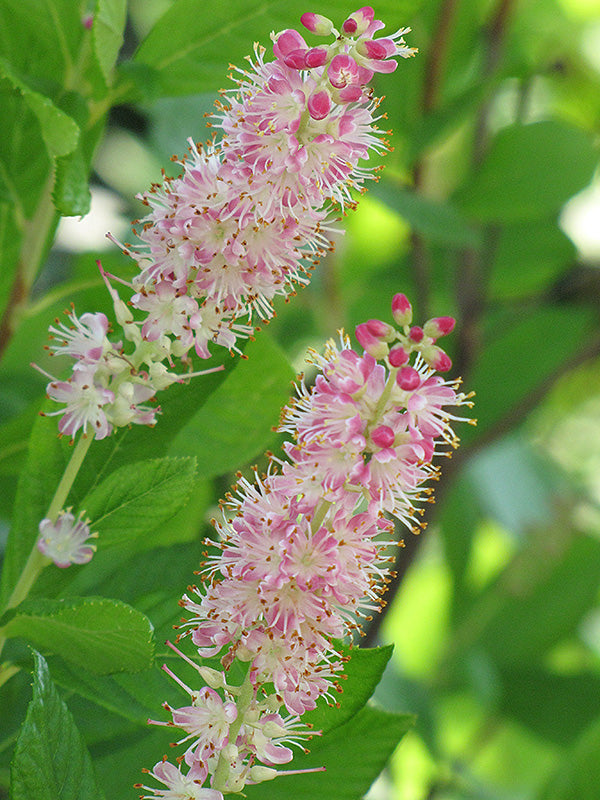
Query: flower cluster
[246,220]
[66,540]
[301,552]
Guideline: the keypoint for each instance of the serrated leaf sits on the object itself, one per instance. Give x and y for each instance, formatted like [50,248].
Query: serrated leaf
[71,193]
[59,131]
[353,756]
[107,32]
[135,499]
[236,421]
[98,634]
[362,674]
[51,760]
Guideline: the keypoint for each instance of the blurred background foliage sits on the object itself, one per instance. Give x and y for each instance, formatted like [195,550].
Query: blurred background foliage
[488,209]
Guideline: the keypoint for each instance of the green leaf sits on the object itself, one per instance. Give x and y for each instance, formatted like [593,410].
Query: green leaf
[107,31]
[353,755]
[51,761]
[557,707]
[530,172]
[59,131]
[363,672]
[97,634]
[71,193]
[191,47]
[437,222]
[544,600]
[236,421]
[579,775]
[136,499]
[37,483]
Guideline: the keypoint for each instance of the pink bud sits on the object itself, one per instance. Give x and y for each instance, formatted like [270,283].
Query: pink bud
[317,23]
[316,57]
[416,333]
[358,22]
[401,309]
[436,358]
[383,436]
[408,379]
[296,59]
[380,329]
[398,356]
[287,42]
[439,326]
[319,104]
[371,344]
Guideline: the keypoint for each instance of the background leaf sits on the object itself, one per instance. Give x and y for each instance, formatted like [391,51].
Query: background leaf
[51,760]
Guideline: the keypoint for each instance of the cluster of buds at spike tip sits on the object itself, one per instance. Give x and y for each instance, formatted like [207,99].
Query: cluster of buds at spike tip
[302,554]
[385,341]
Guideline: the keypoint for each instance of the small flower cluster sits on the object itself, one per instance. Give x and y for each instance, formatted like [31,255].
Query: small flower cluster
[245,221]
[66,540]
[301,551]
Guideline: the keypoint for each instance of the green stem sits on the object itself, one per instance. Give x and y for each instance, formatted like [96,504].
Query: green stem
[37,561]
[244,700]
[321,510]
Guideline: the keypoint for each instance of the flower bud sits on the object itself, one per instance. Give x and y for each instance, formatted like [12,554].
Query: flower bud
[439,326]
[380,329]
[258,773]
[416,334]
[317,23]
[408,379]
[371,344]
[316,57]
[398,356]
[319,104]
[383,436]
[358,22]
[401,309]
[437,358]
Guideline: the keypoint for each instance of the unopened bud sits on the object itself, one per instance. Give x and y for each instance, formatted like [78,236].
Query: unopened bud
[401,309]
[316,57]
[439,326]
[319,104]
[259,774]
[317,23]
[371,344]
[437,358]
[408,379]
[398,356]
[211,677]
[416,334]
[383,436]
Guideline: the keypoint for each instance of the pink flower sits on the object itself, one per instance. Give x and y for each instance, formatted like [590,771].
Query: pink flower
[65,541]
[179,786]
[85,403]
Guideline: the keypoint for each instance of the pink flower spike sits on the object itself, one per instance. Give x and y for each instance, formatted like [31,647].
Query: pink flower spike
[316,57]
[408,379]
[416,334]
[439,326]
[319,104]
[398,356]
[401,309]
[371,344]
[317,23]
